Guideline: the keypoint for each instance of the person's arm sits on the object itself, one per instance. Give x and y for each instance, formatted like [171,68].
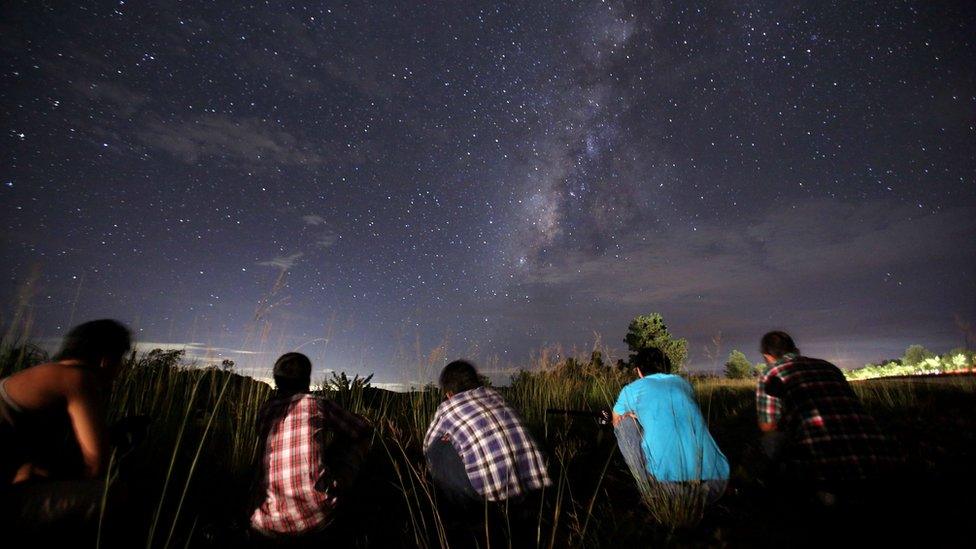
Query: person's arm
[621,409]
[436,430]
[81,393]
[617,418]
[769,407]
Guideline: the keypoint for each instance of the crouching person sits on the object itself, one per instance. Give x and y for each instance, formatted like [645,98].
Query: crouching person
[663,436]
[815,430]
[54,443]
[481,457]
[301,480]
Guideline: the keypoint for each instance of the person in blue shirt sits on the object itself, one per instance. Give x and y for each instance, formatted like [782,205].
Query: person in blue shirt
[662,434]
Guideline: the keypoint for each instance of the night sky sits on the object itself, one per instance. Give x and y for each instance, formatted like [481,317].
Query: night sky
[368,181]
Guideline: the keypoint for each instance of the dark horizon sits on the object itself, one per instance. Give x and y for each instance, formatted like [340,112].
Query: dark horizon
[362,181]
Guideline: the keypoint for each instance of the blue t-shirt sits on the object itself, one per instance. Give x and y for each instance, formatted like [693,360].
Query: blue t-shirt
[677,445]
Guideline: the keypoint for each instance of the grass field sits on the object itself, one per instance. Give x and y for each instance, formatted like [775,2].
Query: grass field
[188,483]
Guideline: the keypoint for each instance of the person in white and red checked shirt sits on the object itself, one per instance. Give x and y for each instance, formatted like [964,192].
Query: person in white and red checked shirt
[301,481]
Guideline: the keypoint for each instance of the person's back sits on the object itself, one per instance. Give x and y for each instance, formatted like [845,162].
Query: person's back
[831,437]
[292,466]
[298,486]
[829,460]
[39,437]
[676,443]
[500,457]
[487,468]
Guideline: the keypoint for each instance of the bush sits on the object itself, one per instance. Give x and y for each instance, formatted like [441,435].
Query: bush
[931,365]
[915,354]
[738,366]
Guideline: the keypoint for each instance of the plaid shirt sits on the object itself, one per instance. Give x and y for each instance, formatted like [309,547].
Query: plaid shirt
[500,457]
[832,437]
[294,474]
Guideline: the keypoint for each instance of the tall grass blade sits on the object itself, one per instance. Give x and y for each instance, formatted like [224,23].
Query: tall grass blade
[172,462]
[196,459]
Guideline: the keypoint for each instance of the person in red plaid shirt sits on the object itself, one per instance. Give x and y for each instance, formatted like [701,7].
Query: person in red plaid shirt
[814,423]
[301,479]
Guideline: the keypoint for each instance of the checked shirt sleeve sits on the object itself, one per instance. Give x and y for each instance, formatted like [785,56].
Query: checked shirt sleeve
[437,428]
[769,408]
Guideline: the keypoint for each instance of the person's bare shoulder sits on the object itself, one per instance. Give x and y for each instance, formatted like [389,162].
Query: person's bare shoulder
[51,383]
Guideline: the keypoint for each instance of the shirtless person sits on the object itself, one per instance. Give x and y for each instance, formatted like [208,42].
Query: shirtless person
[52,426]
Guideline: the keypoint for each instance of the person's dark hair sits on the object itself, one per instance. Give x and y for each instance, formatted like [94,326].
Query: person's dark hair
[95,341]
[293,373]
[459,376]
[651,360]
[776,344]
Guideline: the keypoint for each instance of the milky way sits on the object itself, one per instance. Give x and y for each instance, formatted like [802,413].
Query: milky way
[368,182]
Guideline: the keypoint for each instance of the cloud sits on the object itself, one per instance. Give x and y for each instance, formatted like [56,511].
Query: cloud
[244,139]
[855,282]
[365,67]
[779,255]
[123,99]
[194,351]
[326,241]
[816,239]
[323,238]
[399,387]
[146,115]
[283,262]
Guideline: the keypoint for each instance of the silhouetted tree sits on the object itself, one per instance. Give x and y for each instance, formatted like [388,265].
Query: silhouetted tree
[647,331]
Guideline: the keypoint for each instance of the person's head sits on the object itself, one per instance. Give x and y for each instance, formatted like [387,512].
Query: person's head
[293,373]
[776,344]
[650,361]
[459,376]
[99,343]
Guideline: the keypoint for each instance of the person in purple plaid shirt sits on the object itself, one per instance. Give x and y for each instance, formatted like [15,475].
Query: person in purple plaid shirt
[814,424]
[477,447]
